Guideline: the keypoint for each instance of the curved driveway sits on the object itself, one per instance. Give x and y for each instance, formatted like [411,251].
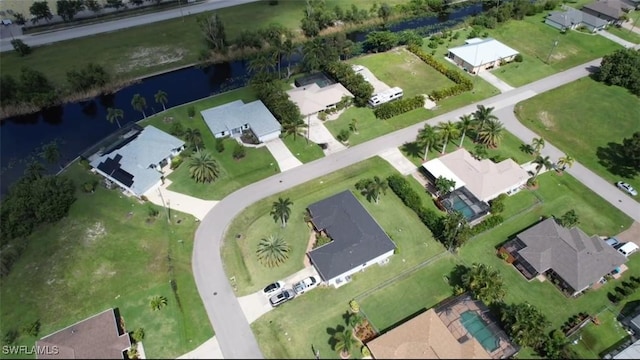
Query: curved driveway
[231,327]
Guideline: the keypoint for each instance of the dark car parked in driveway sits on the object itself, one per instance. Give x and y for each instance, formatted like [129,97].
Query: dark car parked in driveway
[282,297]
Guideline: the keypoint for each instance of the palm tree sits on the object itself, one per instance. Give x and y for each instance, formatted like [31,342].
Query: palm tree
[50,152]
[345,342]
[447,130]
[492,133]
[273,251]
[427,137]
[455,230]
[371,188]
[34,169]
[262,62]
[314,54]
[444,185]
[193,137]
[465,123]
[353,126]
[280,210]
[565,161]
[294,127]
[525,323]
[537,144]
[288,49]
[203,168]
[157,302]
[527,149]
[139,103]
[114,115]
[485,283]
[161,98]
[541,162]
[482,115]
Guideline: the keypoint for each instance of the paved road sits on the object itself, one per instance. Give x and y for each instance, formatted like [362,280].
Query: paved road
[232,329]
[88,30]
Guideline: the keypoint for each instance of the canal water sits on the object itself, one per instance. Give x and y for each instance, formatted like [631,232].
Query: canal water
[76,126]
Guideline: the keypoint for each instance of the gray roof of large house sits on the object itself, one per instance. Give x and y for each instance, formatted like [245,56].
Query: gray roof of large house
[579,259]
[611,8]
[631,352]
[130,164]
[236,114]
[571,17]
[357,237]
[97,337]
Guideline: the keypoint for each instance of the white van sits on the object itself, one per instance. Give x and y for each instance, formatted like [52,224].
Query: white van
[628,248]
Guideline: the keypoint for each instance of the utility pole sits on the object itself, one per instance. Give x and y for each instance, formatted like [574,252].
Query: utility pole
[165,206]
[555,43]
[634,23]
[181,13]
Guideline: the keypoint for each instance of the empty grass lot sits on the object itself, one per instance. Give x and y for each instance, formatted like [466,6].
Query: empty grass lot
[411,236]
[234,174]
[534,40]
[164,45]
[399,67]
[625,34]
[104,254]
[594,339]
[582,118]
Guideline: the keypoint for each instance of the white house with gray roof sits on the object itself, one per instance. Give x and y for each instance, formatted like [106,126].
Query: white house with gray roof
[481,54]
[357,241]
[135,163]
[233,118]
[573,19]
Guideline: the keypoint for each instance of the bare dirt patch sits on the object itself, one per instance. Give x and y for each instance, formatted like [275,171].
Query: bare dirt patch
[95,232]
[104,271]
[546,119]
[143,57]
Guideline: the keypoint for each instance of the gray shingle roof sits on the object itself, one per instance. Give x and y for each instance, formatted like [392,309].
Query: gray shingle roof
[150,146]
[572,16]
[610,8]
[357,237]
[579,259]
[236,114]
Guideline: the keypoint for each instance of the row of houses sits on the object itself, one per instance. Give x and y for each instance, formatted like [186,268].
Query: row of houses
[595,16]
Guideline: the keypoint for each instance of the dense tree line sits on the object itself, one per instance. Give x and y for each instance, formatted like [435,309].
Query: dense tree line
[622,68]
[381,41]
[463,83]
[516,9]
[395,108]
[270,91]
[355,83]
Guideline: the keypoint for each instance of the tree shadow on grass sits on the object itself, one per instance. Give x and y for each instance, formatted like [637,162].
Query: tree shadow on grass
[455,277]
[612,157]
[412,149]
[332,331]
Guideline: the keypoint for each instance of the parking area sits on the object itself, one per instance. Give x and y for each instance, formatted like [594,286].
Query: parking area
[378,86]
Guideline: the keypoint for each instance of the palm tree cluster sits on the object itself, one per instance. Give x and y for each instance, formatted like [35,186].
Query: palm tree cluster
[488,129]
[273,251]
[525,323]
[372,188]
[485,283]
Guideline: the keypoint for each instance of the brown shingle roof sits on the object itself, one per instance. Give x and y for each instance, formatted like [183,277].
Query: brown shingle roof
[424,337]
[97,337]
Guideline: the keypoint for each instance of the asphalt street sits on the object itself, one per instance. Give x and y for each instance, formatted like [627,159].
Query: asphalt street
[88,30]
[232,329]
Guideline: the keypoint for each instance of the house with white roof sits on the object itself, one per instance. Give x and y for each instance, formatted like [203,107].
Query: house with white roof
[136,161]
[233,118]
[483,178]
[313,98]
[481,54]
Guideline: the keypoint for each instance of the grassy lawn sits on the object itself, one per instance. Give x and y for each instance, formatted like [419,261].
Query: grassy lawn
[575,118]
[534,39]
[104,254]
[624,33]
[411,236]
[304,150]
[594,339]
[159,46]
[401,68]
[234,174]
[509,148]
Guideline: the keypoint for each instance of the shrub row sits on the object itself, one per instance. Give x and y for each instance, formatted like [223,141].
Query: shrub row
[462,82]
[486,224]
[400,186]
[395,108]
[355,83]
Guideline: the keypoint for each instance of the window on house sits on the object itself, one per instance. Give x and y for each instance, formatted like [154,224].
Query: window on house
[222,133]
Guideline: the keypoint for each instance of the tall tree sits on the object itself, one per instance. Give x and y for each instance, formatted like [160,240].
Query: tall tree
[40,10]
[482,115]
[344,342]
[88,77]
[68,9]
[114,115]
[492,133]
[194,138]
[485,283]
[288,50]
[537,144]
[214,32]
[314,54]
[139,103]
[541,162]
[426,138]
[281,210]
[93,5]
[34,170]
[372,188]
[525,323]
[203,168]
[565,161]
[621,68]
[294,127]
[455,230]
[465,123]
[631,149]
[50,152]
[384,12]
[261,62]
[448,130]
[444,185]
[273,251]
[161,98]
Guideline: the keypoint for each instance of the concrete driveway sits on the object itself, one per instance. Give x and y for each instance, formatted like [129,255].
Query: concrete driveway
[286,160]
[319,134]
[495,81]
[378,86]
[621,41]
[396,158]
[210,349]
[181,202]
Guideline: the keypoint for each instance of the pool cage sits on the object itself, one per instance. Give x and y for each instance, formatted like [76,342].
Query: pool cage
[462,200]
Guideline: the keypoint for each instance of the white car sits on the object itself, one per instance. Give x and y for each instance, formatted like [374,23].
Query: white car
[273,288]
[6,22]
[626,188]
[305,285]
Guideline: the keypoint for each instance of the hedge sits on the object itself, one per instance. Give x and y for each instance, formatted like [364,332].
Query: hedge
[400,186]
[395,108]
[486,224]
[462,82]
[355,83]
